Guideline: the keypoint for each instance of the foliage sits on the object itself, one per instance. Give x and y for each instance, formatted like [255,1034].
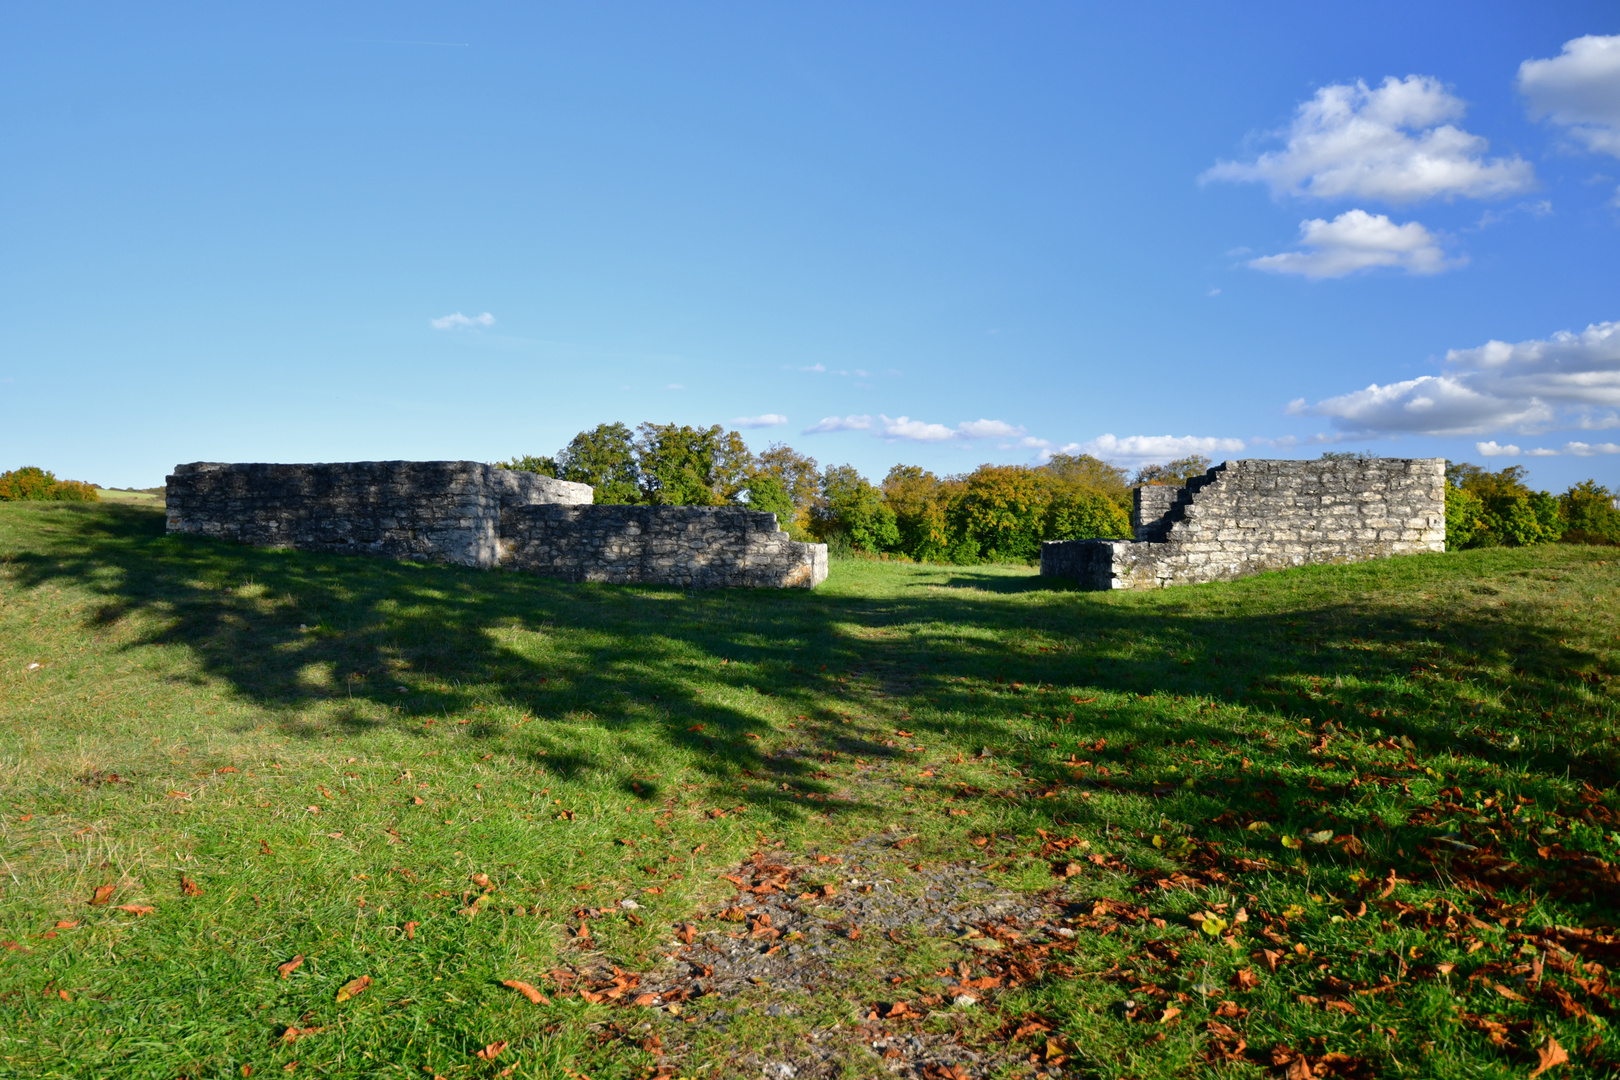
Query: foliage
[1590,515]
[1081,513]
[799,477]
[851,510]
[545,466]
[687,466]
[1464,518]
[605,458]
[1175,474]
[920,501]
[1003,512]
[767,495]
[1509,512]
[33,484]
[1094,473]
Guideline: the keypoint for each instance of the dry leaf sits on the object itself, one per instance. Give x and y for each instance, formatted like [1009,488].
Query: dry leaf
[527,991]
[137,909]
[64,995]
[103,894]
[1550,1055]
[492,1051]
[353,988]
[686,933]
[410,930]
[481,880]
[291,966]
[189,887]
[1170,1013]
[67,924]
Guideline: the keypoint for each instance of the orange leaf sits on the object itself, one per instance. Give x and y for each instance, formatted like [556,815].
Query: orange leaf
[481,880]
[291,966]
[646,999]
[410,930]
[1170,1013]
[353,988]
[686,933]
[189,887]
[137,909]
[527,991]
[64,995]
[103,894]
[67,924]
[1550,1055]
[492,1051]
[228,768]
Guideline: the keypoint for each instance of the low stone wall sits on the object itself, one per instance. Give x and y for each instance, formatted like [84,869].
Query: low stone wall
[474,514]
[1244,517]
[700,547]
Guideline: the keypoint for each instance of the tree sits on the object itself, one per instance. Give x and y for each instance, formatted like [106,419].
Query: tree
[1509,512]
[767,495]
[545,466]
[1175,474]
[33,484]
[1590,514]
[851,511]
[687,466]
[605,458]
[919,500]
[798,473]
[1093,473]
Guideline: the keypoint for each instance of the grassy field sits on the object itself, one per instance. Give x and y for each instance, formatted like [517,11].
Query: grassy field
[267,813]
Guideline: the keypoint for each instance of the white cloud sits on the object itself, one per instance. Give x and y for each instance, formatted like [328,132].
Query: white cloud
[1137,449]
[458,320]
[1494,449]
[815,367]
[1357,240]
[1541,451]
[1390,143]
[1580,449]
[836,423]
[989,429]
[1580,90]
[1566,381]
[904,427]
[769,419]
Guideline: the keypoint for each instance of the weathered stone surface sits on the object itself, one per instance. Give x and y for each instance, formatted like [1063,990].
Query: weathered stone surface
[479,515]
[1243,517]
[702,547]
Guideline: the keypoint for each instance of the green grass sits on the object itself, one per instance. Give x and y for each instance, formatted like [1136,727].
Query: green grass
[327,749]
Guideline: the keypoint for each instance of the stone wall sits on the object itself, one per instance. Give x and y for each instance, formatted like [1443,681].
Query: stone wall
[474,514]
[701,547]
[1243,517]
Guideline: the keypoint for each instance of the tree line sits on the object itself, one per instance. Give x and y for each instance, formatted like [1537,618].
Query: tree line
[996,513]
[1498,509]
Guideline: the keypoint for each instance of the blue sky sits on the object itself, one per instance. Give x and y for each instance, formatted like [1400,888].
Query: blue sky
[939,234]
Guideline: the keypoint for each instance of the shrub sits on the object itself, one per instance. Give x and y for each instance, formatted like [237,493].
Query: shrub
[33,484]
[920,501]
[1176,473]
[767,495]
[1509,512]
[852,509]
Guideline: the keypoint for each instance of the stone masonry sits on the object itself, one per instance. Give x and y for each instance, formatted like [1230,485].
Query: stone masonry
[1244,517]
[473,514]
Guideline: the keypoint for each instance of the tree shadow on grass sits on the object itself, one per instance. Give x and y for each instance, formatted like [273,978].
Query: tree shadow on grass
[992,659]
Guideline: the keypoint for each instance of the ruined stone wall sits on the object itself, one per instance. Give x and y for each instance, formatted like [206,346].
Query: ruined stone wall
[700,547]
[473,514]
[1243,517]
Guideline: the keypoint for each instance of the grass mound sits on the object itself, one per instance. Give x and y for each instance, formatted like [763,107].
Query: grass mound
[266,811]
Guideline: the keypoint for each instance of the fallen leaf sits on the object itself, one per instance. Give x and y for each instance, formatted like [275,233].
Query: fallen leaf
[67,924]
[527,991]
[481,880]
[1170,1013]
[64,995]
[1550,1055]
[103,894]
[686,933]
[410,930]
[189,887]
[353,988]
[228,768]
[291,966]
[1246,979]
[137,909]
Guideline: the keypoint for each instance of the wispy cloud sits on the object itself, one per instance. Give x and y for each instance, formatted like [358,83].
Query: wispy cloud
[675,386]
[770,419]
[1139,449]
[1393,142]
[459,321]
[815,367]
[839,423]
[1357,240]
[1495,449]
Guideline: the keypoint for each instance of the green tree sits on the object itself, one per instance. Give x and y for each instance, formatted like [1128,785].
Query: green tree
[1590,514]
[545,466]
[767,495]
[1175,474]
[688,466]
[1509,513]
[920,501]
[605,458]
[851,511]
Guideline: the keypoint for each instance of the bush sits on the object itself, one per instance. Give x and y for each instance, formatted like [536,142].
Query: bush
[1508,513]
[33,484]
[852,509]
[767,495]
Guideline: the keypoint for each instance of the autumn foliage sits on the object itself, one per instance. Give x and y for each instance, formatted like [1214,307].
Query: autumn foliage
[33,484]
